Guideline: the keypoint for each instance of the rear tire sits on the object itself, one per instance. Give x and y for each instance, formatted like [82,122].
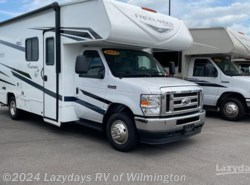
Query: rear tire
[13,110]
[121,132]
[232,109]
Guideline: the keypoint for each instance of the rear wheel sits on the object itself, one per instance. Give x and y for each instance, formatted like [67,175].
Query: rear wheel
[232,109]
[13,110]
[121,132]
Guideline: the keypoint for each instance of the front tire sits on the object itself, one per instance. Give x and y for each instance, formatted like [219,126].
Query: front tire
[121,132]
[13,110]
[232,109]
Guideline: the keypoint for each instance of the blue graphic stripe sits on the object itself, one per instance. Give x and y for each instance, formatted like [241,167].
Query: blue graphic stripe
[3,73]
[66,99]
[46,91]
[96,97]
[1,80]
[204,83]
[14,46]
[90,106]
[85,104]
[18,71]
[69,99]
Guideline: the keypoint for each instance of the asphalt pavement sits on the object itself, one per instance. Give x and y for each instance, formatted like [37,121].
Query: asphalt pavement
[34,152]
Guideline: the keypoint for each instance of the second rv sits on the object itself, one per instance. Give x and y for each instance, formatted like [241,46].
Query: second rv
[209,63]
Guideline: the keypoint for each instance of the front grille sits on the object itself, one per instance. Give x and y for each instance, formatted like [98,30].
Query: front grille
[187,120]
[185,108]
[182,102]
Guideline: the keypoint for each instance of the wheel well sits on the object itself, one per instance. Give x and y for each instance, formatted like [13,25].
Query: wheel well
[232,95]
[9,95]
[114,108]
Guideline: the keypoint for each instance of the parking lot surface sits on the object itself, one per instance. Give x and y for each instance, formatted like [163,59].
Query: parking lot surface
[34,152]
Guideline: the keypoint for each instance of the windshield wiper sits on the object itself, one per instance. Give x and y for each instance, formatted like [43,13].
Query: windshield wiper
[233,74]
[156,74]
[123,74]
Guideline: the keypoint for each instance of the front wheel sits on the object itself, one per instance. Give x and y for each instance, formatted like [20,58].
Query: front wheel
[232,109]
[121,132]
[13,110]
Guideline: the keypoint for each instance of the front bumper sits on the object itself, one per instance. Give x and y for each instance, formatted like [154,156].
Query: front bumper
[165,130]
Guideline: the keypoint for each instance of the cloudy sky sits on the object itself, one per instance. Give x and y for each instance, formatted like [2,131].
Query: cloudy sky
[195,13]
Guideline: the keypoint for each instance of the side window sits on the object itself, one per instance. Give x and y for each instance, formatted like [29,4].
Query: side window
[32,49]
[96,67]
[245,68]
[50,53]
[204,68]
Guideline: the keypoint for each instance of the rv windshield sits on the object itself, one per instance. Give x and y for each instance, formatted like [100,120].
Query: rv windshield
[130,63]
[227,66]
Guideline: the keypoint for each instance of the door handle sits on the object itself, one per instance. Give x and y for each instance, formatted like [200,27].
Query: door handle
[45,78]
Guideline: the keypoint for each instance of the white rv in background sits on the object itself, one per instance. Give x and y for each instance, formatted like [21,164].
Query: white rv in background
[243,64]
[208,63]
[84,61]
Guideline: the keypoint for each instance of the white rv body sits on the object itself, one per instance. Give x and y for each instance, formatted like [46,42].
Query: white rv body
[48,85]
[208,63]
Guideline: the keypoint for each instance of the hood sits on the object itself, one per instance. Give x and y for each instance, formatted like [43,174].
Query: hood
[154,85]
[242,78]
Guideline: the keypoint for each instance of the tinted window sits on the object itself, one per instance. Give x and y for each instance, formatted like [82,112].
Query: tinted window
[50,54]
[128,63]
[204,68]
[227,66]
[245,68]
[32,49]
[96,67]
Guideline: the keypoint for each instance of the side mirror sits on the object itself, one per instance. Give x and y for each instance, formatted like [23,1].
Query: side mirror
[171,68]
[215,73]
[82,66]
[101,73]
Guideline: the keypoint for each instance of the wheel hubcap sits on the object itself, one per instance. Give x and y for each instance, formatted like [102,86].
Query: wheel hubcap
[231,109]
[119,132]
[13,108]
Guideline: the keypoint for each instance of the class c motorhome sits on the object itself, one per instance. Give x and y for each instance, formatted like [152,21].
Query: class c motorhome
[85,62]
[208,63]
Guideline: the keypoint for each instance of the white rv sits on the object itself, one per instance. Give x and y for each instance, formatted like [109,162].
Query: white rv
[84,61]
[208,63]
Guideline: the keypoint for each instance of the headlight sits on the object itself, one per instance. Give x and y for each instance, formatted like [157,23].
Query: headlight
[151,104]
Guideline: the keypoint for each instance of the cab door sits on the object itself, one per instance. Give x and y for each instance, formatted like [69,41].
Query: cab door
[205,73]
[91,88]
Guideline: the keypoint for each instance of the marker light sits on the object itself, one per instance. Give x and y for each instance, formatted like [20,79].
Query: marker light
[148,9]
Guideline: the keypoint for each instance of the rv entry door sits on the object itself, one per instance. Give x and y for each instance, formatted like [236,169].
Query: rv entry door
[50,79]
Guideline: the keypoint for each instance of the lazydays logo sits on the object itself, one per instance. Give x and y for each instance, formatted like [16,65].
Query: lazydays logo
[229,169]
